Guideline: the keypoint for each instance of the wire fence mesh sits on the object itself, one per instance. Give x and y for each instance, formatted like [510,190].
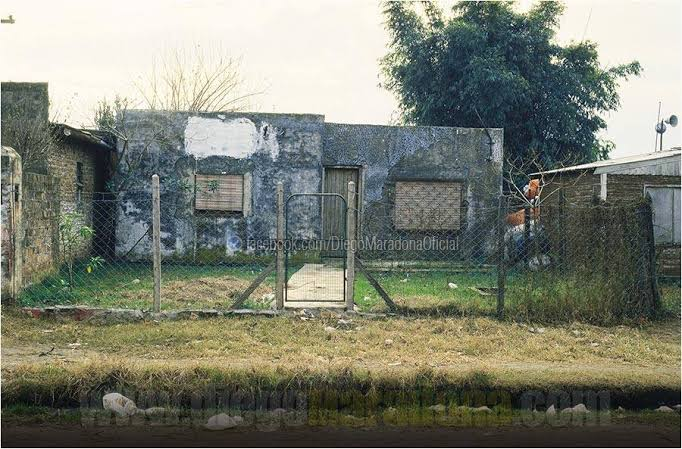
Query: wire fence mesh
[315,251]
[428,250]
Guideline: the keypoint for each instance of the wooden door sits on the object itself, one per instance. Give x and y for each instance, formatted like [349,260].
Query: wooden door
[336,180]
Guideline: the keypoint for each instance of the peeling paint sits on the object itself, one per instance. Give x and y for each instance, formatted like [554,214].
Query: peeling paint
[293,149]
[238,138]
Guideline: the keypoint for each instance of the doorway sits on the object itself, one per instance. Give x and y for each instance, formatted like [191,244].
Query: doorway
[336,179]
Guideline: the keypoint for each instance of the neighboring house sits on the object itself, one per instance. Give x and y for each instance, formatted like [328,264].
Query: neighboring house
[65,179]
[625,180]
[415,181]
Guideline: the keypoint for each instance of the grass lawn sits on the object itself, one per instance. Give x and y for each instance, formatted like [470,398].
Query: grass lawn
[401,352]
[528,298]
[130,285]
[535,297]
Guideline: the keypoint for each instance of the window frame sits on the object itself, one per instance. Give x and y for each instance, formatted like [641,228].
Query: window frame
[203,210]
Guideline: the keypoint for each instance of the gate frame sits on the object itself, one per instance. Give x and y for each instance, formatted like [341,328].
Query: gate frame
[285,255]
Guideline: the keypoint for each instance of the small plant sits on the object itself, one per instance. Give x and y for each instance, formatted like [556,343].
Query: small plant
[184,185]
[72,233]
[95,262]
[212,186]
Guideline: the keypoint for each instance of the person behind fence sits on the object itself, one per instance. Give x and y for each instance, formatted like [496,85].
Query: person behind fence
[522,245]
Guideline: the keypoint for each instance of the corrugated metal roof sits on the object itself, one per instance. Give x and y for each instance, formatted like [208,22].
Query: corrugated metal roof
[81,134]
[609,165]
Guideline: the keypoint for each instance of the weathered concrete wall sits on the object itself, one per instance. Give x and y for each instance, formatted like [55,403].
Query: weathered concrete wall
[266,147]
[26,100]
[391,153]
[281,147]
[11,213]
[388,154]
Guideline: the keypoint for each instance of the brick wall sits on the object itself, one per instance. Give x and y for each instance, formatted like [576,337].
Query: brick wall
[628,188]
[62,163]
[48,196]
[582,188]
[579,188]
[41,226]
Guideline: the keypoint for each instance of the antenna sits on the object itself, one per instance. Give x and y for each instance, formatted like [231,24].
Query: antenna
[660,126]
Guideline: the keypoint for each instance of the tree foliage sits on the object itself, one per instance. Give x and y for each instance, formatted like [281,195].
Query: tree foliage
[34,138]
[489,59]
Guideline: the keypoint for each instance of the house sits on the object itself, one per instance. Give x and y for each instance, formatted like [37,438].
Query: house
[218,174]
[65,176]
[625,180]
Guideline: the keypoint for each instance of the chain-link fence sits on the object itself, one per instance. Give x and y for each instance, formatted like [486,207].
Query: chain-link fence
[101,254]
[430,251]
[423,249]
[591,263]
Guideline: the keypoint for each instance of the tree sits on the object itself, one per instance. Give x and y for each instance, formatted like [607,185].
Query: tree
[32,137]
[111,117]
[181,80]
[194,80]
[490,65]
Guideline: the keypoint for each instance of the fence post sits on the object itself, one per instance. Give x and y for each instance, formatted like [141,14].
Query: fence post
[646,233]
[350,245]
[279,283]
[562,225]
[526,233]
[156,241]
[501,268]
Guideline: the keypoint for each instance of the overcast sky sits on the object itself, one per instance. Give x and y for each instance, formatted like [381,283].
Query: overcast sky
[310,56]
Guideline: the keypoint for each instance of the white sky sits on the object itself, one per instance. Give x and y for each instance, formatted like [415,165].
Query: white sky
[311,56]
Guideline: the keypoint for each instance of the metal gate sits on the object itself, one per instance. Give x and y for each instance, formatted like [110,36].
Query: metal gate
[314,264]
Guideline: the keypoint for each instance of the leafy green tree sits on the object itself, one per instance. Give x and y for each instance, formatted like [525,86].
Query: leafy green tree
[489,59]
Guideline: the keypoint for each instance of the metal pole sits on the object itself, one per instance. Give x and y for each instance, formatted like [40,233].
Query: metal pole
[279,283]
[156,237]
[350,245]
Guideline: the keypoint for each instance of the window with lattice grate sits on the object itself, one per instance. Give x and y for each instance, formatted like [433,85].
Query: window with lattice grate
[219,193]
[427,205]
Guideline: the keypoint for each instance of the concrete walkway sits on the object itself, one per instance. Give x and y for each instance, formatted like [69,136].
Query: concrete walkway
[316,286]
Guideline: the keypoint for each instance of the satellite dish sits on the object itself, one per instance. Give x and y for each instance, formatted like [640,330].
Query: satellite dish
[672,121]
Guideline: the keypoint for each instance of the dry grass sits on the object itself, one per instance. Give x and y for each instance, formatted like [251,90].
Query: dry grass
[400,351]
[204,292]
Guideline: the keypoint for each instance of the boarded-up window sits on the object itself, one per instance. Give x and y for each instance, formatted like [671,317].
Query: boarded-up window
[427,205]
[220,192]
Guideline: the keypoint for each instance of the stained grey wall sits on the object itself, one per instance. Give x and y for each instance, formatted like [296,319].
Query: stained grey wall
[282,147]
[388,154]
[268,147]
